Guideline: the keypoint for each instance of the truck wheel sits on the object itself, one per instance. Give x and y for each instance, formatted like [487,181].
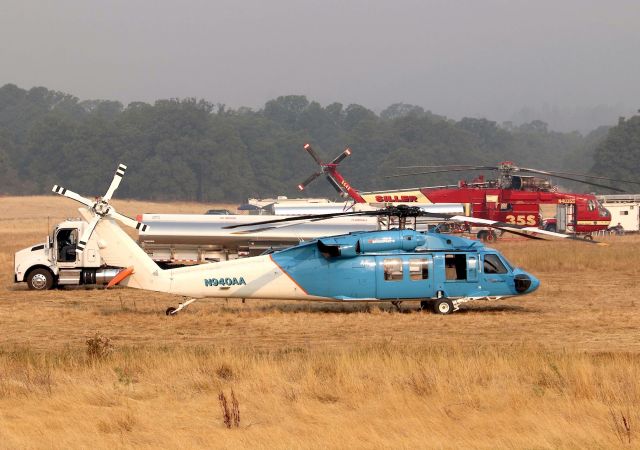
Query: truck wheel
[443,306]
[40,280]
[550,227]
[482,235]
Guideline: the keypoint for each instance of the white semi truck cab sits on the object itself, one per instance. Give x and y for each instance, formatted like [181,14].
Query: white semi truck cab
[55,262]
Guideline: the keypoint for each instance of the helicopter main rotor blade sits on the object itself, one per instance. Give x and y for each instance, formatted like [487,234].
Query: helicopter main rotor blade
[129,221]
[299,218]
[415,212]
[115,182]
[542,172]
[72,195]
[554,173]
[563,176]
[519,229]
[466,169]
[451,166]
[280,225]
[82,242]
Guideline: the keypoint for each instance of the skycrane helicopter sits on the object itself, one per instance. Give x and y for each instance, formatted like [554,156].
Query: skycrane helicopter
[400,264]
[512,197]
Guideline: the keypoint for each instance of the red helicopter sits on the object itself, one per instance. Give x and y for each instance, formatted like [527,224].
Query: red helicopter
[511,197]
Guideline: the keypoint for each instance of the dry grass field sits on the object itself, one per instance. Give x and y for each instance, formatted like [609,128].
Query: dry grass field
[556,369]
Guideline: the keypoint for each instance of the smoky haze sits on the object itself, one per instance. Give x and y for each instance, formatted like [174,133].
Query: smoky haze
[572,63]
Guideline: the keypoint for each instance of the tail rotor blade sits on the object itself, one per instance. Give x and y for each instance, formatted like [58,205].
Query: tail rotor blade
[335,185]
[129,221]
[306,182]
[86,235]
[341,156]
[313,154]
[117,178]
[72,195]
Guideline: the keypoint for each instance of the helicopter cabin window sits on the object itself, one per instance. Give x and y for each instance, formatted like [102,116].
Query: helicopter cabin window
[455,267]
[392,269]
[591,205]
[492,264]
[418,269]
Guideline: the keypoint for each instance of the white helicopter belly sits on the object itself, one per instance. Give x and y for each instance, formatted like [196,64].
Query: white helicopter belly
[258,277]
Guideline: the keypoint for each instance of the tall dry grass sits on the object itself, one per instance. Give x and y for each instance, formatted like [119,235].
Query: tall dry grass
[375,395]
[104,369]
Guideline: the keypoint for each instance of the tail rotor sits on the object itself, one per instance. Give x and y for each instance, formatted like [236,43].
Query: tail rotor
[100,208]
[328,169]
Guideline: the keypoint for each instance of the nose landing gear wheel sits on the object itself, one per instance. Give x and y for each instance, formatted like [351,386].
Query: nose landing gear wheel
[443,306]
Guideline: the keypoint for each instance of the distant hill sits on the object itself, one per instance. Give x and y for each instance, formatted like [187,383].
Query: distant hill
[189,149]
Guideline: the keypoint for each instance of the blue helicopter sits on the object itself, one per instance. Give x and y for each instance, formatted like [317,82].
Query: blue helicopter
[402,264]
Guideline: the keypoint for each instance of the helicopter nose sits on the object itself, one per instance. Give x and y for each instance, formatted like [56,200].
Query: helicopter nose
[526,283]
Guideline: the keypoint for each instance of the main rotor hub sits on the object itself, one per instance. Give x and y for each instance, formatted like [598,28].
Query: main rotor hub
[102,207]
[507,165]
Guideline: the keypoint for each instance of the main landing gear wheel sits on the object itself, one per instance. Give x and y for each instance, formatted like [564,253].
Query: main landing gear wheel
[443,306]
[170,311]
[40,280]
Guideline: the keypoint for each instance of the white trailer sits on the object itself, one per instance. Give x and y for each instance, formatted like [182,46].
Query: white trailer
[624,209]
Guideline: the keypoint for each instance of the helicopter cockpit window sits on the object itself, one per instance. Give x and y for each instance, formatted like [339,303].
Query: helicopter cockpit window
[591,205]
[418,269]
[602,211]
[492,264]
[455,267]
[392,269]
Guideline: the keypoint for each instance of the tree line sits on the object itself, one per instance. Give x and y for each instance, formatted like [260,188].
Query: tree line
[190,149]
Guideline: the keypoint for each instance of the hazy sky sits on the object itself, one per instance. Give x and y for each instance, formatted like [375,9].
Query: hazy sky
[476,58]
